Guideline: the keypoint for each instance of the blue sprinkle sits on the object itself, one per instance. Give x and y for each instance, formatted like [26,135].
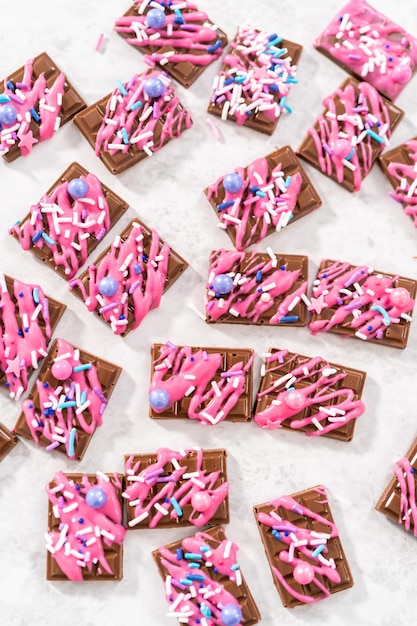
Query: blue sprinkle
[125,136]
[258,276]
[205,549]
[71,442]
[37,236]
[185,581]
[288,182]
[254,188]
[10,85]
[80,368]
[121,88]
[137,268]
[215,46]
[229,81]
[225,205]
[261,194]
[276,534]
[235,567]
[176,506]
[48,239]
[195,577]
[35,115]
[179,554]
[4,98]
[318,551]
[136,105]
[35,295]
[83,396]
[288,318]
[192,556]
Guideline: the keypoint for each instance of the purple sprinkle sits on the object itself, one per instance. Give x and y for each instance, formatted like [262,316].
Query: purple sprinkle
[353,305]
[108,307]
[327,148]
[352,279]
[100,394]
[72,283]
[205,356]
[156,472]
[15,98]
[46,310]
[61,501]
[210,305]
[360,109]
[134,286]
[339,301]
[155,110]
[221,99]
[102,408]
[297,509]
[175,583]
[22,86]
[52,446]
[380,334]
[84,214]
[166,479]
[360,98]
[280,358]
[189,27]
[101,234]
[231,373]
[171,345]
[354,57]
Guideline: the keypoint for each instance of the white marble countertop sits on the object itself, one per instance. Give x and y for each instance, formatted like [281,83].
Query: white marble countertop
[166,192]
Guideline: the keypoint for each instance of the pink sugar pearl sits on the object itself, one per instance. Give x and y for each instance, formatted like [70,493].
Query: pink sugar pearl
[61,370]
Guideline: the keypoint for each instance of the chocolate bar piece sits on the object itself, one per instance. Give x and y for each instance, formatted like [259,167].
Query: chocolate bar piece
[357,301]
[257,74]
[309,394]
[399,166]
[72,414]
[256,288]
[37,100]
[85,532]
[369,45]
[217,582]
[7,441]
[137,119]
[398,501]
[204,384]
[303,547]
[70,220]
[351,133]
[171,489]
[128,279]
[28,318]
[255,201]
[182,41]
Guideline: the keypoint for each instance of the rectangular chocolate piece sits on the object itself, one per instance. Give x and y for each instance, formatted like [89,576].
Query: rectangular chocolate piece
[213,538]
[152,247]
[331,145]
[399,166]
[7,441]
[209,477]
[112,553]
[238,411]
[362,302]
[57,194]
[72,103]
[266,288]
[398,500]
[252,55]
[315,520]
[178,51]
[107,375]
[261,213]
[328,399]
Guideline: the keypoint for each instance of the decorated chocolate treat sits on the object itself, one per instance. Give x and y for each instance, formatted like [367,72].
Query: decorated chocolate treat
[351,133]
[85,532]
[309,394]
[255,201]
[172,488]
[203,581]
[303,547]
[70,220]
[137,119]
[369,45]
[68,399]
[7,441]
[256,77]
[37,100]
[358,301]
[176,36]
[256,288]
[205,384]
[400,167]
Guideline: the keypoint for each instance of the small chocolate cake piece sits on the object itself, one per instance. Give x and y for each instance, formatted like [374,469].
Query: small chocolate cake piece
[7,441]
[56,102]
[400,167]
[358,301]
[172,489]
[303,547]
[85,532]
[128,279]
[398,501]
[256,288]
[182,41]
[262,198]
[344,146]
[62,230]
[218,576]
[205,384]
[73,414]
[309,394]
[257,74]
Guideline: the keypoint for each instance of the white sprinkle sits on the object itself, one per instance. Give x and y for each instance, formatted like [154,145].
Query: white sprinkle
[70,507]
[161,509]
[234,312]
[216,389]
[316,423]
[103,476]
[349,165]
[361,335]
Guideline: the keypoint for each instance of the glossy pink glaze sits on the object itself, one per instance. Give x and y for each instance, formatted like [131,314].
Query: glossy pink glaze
[406,175]
[408,507]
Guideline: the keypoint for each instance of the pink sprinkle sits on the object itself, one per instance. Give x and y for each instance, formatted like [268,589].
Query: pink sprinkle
[99,42]
[214,129]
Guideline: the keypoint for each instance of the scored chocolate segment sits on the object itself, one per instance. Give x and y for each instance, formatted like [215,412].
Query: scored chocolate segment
[398,165]
[315,499]
[7,441]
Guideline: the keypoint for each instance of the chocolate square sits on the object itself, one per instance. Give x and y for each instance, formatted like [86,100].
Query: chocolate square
[399,166]
[116,208]
[7,441]
[332,395]
[291,200]
[276,545]
[241,411]
[107,375]
[350,165]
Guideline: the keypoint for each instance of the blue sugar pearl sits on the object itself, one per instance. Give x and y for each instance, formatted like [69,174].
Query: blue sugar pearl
[159,399]
[232,182]
[231,615]
[155,18]
[96,497]
[77,188]
[137,268]
[154,87]
[223,284]
[108,286]
[8,114]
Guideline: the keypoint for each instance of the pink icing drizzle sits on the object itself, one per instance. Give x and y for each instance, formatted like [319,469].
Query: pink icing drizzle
[47,104]
[290,534]
[82,388]
[408,507]
[406,191]
[251,213]
[176,487]
[97,527]
[70,223]
[372,46]
[325,414]
[210,404]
